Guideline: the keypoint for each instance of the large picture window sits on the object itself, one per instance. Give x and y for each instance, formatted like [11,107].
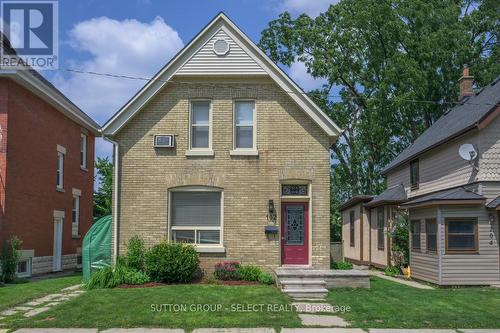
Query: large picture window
[431,234]
[196,217]
[380,228]
[351,227]
[461,235]
[415,235]
[244,125]
[200,125]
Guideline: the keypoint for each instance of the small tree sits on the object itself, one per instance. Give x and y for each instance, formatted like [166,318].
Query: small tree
[9,258]
[103,194]
[400,239]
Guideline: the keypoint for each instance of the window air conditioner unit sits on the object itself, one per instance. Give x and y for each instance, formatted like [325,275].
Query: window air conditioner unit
[164,141]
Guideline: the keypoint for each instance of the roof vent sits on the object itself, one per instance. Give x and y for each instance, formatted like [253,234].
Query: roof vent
[221,47]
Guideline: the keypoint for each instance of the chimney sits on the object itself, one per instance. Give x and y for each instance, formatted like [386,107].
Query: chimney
[466,82]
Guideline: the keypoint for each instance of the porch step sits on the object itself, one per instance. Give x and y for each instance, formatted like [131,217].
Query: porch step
[301,286]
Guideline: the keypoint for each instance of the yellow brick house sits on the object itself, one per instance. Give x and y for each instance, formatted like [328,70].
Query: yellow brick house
[223,150]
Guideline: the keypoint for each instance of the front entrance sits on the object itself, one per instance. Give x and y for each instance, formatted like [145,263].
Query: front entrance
[294,233]
[57,254]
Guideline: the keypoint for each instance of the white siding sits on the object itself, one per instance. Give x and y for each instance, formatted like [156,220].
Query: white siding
[205,61]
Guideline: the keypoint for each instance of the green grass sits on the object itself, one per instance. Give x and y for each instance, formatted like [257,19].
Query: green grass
[108,308]
[14,294]
[392,305]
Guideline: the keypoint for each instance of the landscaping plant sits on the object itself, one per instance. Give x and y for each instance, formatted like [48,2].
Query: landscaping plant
[108,277]
[135,253]
[266,278]
[248,273]
[9,258]
[391,271]
[171,262]
[227,270]
[344,265]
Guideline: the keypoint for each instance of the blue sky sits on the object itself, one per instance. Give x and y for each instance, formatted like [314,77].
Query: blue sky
[137,37]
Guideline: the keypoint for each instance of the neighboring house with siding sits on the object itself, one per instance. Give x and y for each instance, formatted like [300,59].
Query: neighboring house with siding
[222,150]
[453,203]
[46,171]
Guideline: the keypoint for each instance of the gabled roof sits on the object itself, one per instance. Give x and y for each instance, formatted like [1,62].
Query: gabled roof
[220,22]
[460,194]
[457,121]
[392,196]
[37,84]
[355,200]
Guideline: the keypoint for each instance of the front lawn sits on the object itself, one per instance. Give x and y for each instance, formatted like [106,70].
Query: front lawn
[15,294]
[108,308]
[392,305]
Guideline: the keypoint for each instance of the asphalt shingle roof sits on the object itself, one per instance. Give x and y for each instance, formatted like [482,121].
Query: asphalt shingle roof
[459,119]
[393,195]
[459,193]
[494,203]
[355,200]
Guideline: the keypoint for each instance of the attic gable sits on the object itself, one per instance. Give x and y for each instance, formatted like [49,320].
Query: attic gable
[234,61]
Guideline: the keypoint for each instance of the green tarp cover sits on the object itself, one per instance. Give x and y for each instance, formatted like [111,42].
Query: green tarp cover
[96,252]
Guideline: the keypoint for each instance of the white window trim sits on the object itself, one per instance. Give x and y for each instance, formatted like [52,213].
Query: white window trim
[83,162]
[60,167]
[245,151]
[200,151]
[76,194]
[213,248]
[28,268]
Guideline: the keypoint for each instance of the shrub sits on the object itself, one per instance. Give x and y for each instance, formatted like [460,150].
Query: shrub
[102,278]
[391,271]
[108,277]
[135,253]
[171,262]
[248,273]
[266,278]
[9,258]
[227,270]
[344,265]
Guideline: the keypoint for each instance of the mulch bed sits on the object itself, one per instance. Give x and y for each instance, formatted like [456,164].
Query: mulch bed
[198,281]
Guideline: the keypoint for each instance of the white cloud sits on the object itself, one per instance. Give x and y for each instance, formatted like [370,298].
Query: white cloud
[298,72]
[127,47]
[310,7]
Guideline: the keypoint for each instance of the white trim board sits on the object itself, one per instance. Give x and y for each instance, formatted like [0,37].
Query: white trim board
[220,22]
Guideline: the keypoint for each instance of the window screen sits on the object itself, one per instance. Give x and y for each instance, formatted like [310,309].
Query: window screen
[195,209]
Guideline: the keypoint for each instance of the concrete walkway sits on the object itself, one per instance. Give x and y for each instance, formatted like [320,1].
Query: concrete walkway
[249,330]
[409,283]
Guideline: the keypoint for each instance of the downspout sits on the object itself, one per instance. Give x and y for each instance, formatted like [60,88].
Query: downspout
[115,195]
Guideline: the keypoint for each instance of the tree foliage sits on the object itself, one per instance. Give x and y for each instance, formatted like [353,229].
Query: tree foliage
[103,195]
[391,67]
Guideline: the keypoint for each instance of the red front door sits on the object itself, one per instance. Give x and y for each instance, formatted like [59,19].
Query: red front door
[294,233]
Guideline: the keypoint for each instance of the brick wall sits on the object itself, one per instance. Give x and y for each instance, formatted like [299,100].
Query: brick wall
[290,146]
[34,130]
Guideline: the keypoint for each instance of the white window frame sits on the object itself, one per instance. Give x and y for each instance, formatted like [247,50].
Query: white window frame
[245,151]
[200,247]
[28,268]
[83,151]
[76,195]
[61,152]
[200,151]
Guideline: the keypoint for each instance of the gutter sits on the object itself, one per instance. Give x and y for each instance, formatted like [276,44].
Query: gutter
[116,198]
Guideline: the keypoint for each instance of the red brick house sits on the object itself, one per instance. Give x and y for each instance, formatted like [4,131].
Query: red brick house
[46,171]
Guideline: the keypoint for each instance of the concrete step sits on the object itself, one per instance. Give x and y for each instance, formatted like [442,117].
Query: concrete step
[302,282]
[298,295]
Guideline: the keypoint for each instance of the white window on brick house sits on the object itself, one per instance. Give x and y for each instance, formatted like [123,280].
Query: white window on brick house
[83,151]
[196,216]
[200,125]
[24,268]
[244,125]
[75,214]
[60,168]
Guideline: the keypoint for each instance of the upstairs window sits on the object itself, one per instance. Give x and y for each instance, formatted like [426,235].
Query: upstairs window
[415,235]
[351,227]
[200,125]
[83,151]
[431,234]
[414,175]
[75,214]
[60,171]
[380,228]
[244,125]
[461,235]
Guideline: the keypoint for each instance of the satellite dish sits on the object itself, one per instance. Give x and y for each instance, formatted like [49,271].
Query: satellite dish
[467,152]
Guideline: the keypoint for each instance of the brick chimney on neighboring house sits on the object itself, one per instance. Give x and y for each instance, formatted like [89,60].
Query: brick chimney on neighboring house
[466,82]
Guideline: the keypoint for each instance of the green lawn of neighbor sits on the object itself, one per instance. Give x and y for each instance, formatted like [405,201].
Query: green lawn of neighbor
[15,294]
[392,305]
[108,308]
